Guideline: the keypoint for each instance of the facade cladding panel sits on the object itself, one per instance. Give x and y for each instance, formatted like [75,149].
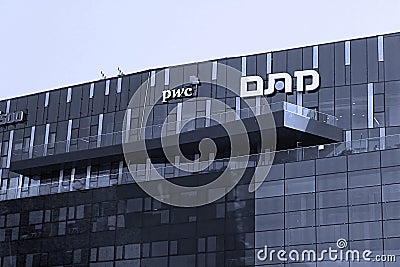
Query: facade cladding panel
[92,214]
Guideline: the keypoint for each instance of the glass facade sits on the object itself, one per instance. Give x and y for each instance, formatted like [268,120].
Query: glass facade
[88,211]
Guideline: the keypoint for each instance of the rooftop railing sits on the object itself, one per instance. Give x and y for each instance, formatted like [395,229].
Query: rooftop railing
[143,174]
[166,129]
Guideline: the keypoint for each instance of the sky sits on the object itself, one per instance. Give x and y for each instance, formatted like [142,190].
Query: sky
[47,44]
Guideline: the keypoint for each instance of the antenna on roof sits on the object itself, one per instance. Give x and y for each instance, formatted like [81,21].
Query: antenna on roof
[103,75]
[120,72]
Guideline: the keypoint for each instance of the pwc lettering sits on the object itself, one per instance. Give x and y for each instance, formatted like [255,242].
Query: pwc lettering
[10,118]
[176,93]
[187,90]
[251,86]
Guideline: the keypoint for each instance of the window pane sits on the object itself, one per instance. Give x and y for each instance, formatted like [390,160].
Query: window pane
[367,230]
[391,192]
[301,236]
[331,233]
[269,222]
[359,106]
[331,181]
[269,189]
[392,100]
[371,212]
[332,216]
[300,202]
[299,219]
[300,185]
[364,178]
[269,205]
[342,107]
[332,199]
[364,195]
[391,175]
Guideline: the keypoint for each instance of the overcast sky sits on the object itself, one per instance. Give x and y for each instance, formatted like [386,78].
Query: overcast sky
[51,44]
